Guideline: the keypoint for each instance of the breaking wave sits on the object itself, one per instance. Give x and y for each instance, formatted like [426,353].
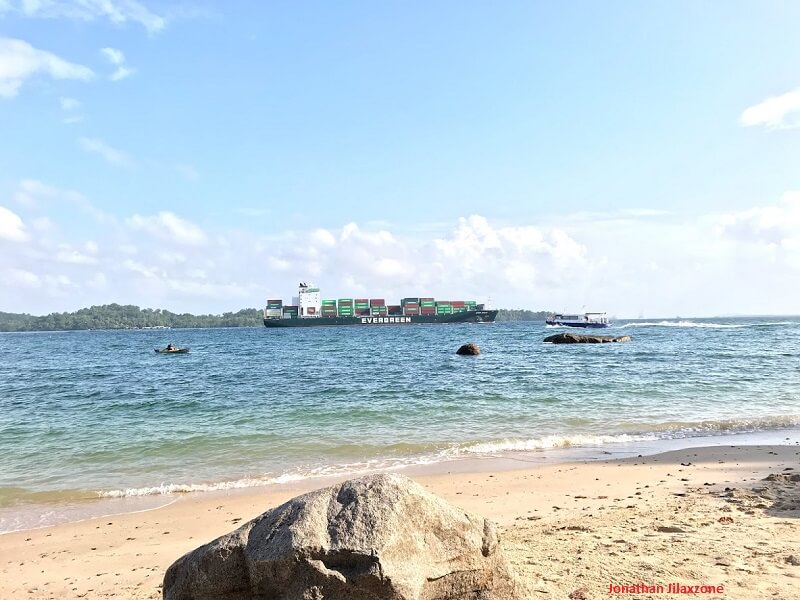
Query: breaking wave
[703,325]
[651,433]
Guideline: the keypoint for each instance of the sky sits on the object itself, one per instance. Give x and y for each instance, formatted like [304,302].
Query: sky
[639,158]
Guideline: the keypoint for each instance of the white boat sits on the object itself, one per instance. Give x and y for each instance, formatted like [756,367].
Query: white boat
[589,319]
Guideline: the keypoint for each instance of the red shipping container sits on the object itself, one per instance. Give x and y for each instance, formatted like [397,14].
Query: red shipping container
[377,302]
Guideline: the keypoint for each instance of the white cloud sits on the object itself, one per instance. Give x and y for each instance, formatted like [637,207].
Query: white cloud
[69,255]
[473,257]
[43,224]
[776,112]
[324,237]
[19,61]
[121,73]
[117,58]
[116,11]
[210,290]
[657,266]
[778,224]
[173,257]
[110,154]
[98,281]
[145,271]
[11,226]
[31,193]
[21,278]
[114,56]
[68,104]
[169,227]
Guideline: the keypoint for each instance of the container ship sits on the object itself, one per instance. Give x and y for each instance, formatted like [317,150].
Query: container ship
[309,309]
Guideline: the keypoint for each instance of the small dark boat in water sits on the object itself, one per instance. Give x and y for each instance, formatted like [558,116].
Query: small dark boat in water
[171,350]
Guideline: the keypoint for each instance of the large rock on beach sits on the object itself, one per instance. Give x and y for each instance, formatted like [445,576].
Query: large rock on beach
[580,338]
[469,350]
[379,537]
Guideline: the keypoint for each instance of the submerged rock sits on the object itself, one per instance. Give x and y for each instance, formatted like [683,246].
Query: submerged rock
[581,338]
[379,537]
[469,350]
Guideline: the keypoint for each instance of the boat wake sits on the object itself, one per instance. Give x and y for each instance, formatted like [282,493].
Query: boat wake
[703,325]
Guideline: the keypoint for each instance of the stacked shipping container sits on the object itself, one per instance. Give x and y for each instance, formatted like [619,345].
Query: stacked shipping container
[348,307]
[362,307]
[377,307]
[410,306]
[328,308]
[345,307]
[427,306]
[274,309]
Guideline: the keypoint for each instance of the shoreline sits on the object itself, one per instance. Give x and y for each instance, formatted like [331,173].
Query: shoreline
[551,515]
[76,511]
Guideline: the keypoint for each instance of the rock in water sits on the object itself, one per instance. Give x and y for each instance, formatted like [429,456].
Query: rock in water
[469,350]
[580,338]
[379,537]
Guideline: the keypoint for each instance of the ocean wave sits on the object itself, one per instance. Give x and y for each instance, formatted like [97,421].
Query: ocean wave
[682,429]
[547,442]
[184,488]
[653,433]
[703,325]
[647,433]
[335,470]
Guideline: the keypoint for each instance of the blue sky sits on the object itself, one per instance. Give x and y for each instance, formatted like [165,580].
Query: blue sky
[639,158]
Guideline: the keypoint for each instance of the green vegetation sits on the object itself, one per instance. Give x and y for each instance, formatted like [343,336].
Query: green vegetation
[116,316]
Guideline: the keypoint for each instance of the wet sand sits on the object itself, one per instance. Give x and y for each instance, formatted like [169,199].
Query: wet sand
[719,516]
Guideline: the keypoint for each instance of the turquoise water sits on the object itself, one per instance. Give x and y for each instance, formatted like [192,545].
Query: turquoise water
[98,414]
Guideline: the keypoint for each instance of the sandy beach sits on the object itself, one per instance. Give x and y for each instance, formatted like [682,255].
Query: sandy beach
[724,516]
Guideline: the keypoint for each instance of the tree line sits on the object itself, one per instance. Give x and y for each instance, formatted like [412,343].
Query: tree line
[117,316]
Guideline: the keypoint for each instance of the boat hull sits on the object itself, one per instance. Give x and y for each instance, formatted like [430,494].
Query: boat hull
[470,316]
[580,325]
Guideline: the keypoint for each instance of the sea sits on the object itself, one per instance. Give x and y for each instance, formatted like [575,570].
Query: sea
[95,422]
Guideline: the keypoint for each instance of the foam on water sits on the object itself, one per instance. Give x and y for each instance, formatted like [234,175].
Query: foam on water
[705,325]
[666,431]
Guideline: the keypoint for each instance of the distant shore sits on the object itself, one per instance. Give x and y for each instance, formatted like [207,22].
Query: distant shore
[567,526]
[112,317]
